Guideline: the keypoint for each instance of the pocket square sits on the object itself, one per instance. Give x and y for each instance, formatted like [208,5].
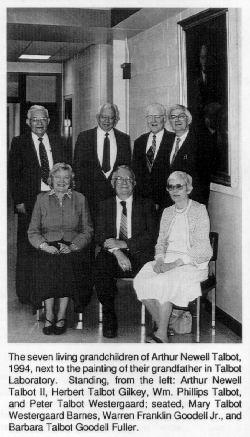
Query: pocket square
[185,157]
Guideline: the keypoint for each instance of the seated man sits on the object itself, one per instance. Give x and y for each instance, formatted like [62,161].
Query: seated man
[126,231]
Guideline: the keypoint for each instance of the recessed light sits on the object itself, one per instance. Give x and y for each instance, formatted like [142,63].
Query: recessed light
[34,56]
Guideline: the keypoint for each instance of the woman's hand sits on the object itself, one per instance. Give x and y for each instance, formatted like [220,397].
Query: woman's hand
[158,265]
[64,248]
[50,249]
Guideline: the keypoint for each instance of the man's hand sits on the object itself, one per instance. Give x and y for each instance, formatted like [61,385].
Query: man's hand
[64,248]
[21,208]
[112,243]
[123,260]
[51,249]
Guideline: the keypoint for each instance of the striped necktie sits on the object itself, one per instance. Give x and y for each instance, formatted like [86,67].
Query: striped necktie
[176,150]
[150,154]
[123,234]
[44,161]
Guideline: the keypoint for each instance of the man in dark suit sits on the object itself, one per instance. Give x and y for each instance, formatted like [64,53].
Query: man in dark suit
[187,153]
[150,157]
[97,152]
[126,232]
[31,157]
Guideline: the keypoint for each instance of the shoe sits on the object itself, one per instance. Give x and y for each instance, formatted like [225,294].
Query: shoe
[154,339]
[60,329]
[48,330]
[109,326]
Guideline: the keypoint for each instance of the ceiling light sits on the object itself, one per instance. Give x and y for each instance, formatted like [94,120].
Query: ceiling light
[34,56]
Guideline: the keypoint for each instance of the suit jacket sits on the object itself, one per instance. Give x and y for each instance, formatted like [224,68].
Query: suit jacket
[90,179]
[191,159]
[143,226]
[24,171]
[152,184]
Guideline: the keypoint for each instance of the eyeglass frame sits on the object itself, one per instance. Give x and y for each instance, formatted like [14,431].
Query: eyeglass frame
[107,117]
[177,187]
[120,180]
[180,117]
[156,117]
[35,120]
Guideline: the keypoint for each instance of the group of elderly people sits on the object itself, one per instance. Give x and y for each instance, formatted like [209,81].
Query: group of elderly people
[141,215]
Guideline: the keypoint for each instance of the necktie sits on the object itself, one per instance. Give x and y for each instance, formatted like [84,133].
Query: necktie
[176,150]
[150,153]
[123,235]
[106,154]
[44,162]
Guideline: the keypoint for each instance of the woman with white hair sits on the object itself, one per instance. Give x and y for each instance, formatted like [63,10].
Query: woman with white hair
[182,254]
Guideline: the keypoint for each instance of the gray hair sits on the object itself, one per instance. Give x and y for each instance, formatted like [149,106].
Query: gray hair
[126,167]
[61,166]
[112,106]
[184,109]
[158,106]
[186,178]
[37,108]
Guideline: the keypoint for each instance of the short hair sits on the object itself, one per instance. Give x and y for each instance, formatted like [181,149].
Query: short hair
[184,109]
[157,105]
[112,106]
[126,167]
[61,166]
[36,108]
[186,178]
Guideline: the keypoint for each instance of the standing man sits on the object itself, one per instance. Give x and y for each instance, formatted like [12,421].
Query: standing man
[97,152]
[31,157]
[150,157]
[126,231]
[188,153]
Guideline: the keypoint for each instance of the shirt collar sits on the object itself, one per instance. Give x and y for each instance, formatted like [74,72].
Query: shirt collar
[69,193]
[102,132]
[159,135]
[128,200]
[35,137]
[183,137]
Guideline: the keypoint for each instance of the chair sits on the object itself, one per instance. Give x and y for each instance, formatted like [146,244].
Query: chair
[206,286]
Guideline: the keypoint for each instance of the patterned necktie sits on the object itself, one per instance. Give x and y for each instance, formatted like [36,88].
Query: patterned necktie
[176,150]
[150,154]
[106,154]
[44,162]
[123,234]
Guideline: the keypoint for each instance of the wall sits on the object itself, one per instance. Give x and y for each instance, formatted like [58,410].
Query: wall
[154,55]
[88,79]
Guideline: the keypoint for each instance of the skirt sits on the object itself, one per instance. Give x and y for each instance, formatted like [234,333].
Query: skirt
[178,286]
[57,276]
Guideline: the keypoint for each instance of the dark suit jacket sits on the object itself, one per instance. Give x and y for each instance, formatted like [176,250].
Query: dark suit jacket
[152,184]
[191,159]
[144,230]
[90,179]
[24,172]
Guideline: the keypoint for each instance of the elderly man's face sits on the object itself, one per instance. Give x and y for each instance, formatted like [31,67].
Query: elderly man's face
[155,119]
[38,122]
[123,183]
[106,119]
[178,121]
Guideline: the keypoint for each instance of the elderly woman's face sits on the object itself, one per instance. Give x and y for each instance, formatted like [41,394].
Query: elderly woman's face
[178,191]
[61,181]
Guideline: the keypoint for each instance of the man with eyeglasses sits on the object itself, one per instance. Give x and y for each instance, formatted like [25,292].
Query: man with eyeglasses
[126,232]
[150,157]
[185,153]
[31,157]
[97,152]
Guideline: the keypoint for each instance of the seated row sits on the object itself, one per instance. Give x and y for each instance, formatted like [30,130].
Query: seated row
[61,232]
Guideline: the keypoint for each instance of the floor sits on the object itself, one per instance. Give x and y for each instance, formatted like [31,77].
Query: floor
[23,326]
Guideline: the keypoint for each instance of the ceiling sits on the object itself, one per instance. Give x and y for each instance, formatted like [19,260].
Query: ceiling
[64,32]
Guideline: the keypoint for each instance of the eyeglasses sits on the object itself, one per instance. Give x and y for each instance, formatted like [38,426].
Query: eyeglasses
[106,118]
[154,117]
[180,117]
[39,120]
[178,187]
[120,180]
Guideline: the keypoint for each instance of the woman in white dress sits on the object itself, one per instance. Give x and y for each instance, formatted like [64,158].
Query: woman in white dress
[182,254]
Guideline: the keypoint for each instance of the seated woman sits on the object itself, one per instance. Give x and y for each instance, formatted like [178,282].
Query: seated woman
[183,251]
[60,230]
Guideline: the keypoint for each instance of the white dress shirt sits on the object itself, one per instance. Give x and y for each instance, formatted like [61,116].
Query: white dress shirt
[101,134]
[44,187]
[158,140]
[182,139]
